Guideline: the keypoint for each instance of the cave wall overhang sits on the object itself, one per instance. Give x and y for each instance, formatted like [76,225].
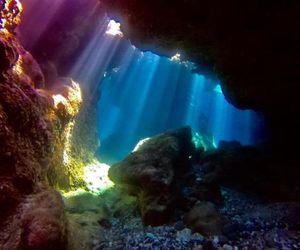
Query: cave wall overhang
[252,46]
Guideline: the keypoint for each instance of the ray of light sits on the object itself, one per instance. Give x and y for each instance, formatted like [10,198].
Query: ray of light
[157,94]
[143,94]
[114,29]
[40,19]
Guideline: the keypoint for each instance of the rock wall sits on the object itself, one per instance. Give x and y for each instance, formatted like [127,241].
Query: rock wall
[36,147]
[26,151]
[56,44]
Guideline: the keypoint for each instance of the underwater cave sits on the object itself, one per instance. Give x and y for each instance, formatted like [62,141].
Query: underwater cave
[147,124]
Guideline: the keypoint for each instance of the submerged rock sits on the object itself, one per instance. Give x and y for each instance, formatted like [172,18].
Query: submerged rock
[208,192]
[44,222]
[205,219]
[153,171]
[249,168]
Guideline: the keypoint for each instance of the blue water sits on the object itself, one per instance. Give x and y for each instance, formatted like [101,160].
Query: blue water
[143,94]
[149,94]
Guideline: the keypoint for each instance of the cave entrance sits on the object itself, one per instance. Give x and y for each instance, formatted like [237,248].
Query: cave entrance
[143,94]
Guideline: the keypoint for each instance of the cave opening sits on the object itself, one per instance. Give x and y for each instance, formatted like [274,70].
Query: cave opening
[112,140]
[138,93]
[145,94]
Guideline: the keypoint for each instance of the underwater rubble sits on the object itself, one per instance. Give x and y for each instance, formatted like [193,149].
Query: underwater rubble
[229,216]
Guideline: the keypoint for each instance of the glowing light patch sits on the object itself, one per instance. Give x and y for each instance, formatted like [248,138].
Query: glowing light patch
[218,89]
[73,101]
[11,14]
[71,104]
[116,70]
[140,143]
[75,93]
[73,193]
[114,29]
[96,177]
[176,58]
[18,68]
[59,99]
[202,141]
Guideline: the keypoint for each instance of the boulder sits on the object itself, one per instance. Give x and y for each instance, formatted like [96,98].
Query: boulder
[252,169]
[205,219]
[153,171]
[37,223]
[43,222]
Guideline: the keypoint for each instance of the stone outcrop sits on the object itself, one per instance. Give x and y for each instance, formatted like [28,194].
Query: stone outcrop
[152,172]
[249,168]
[27,139]
[43,222]
[205,219]
[36,146]
[37,222]
[56,47]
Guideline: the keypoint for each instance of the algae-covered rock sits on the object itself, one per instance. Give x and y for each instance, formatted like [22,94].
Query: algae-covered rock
[36,128]
[89,215]
[84,212]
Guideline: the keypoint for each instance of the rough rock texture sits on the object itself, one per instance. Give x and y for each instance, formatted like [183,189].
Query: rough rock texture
[36,154]
[252,46]
[25,131]
[26,150]
[205,219]
[84,212]
[84,141]
[38,223]
[153,171]
[10,14]
[204,191]
[57,43]
[70,110]
[66,171]
[43,222]
[252,169]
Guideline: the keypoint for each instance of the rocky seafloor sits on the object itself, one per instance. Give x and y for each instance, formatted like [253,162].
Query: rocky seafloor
[196,213]
[252,224]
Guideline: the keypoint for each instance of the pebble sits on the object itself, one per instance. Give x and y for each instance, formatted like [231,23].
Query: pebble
[151,236]
[184,235]
[197,237]
[227,247]
[198,247]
